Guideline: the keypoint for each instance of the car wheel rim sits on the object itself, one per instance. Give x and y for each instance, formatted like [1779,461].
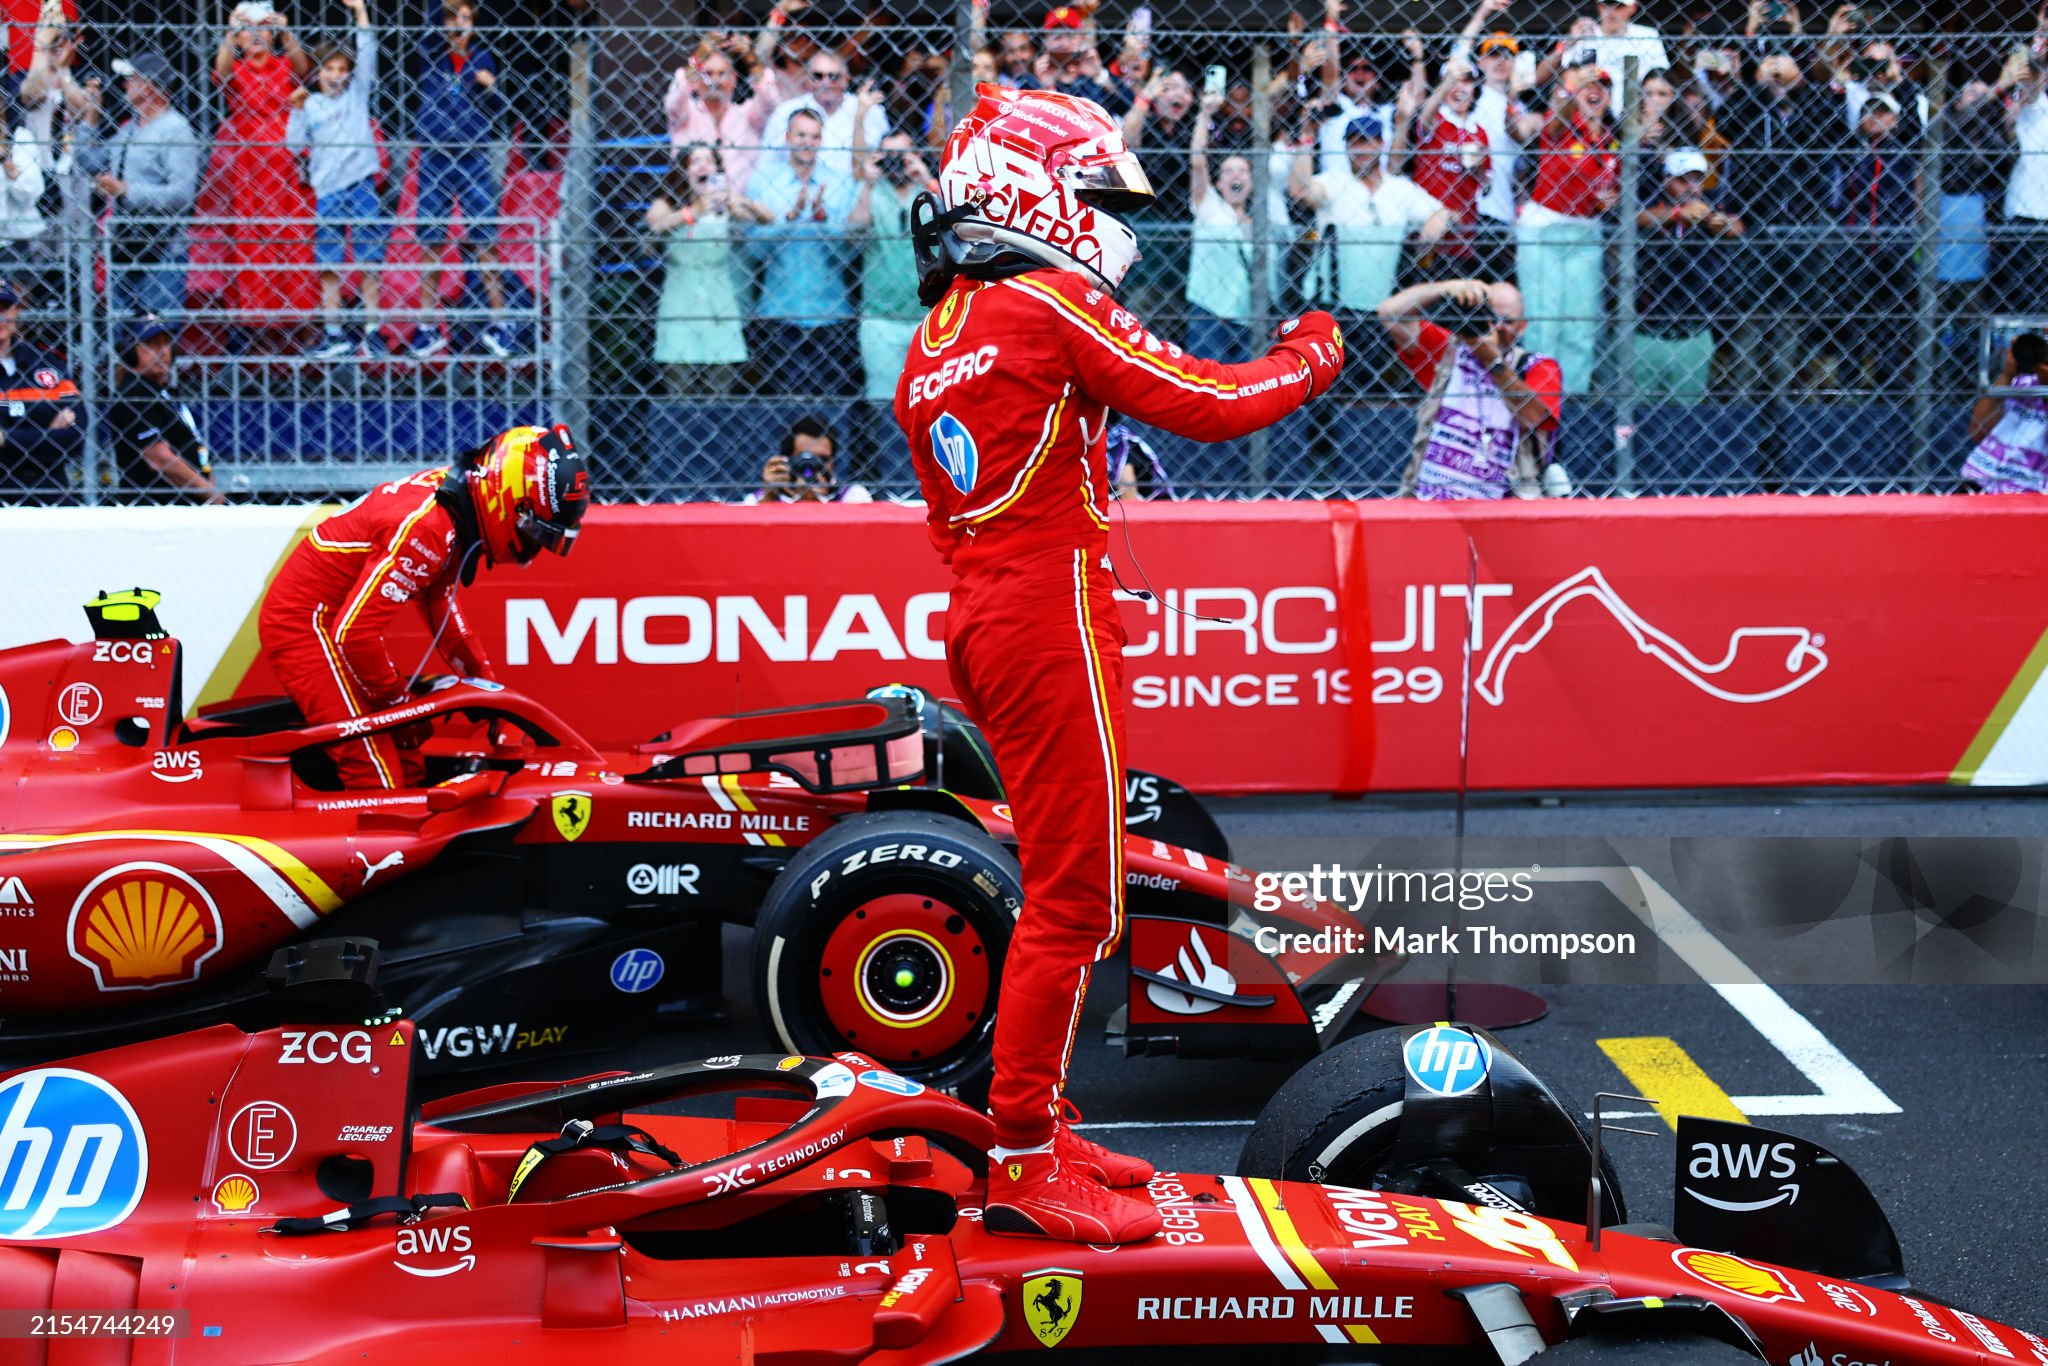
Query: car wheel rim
[905,978]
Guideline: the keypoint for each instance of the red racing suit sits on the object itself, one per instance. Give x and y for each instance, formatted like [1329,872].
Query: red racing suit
[325,619]
[1005,399]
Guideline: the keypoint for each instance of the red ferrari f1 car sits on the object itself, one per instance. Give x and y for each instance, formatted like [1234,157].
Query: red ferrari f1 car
[276,1196]
[542,895]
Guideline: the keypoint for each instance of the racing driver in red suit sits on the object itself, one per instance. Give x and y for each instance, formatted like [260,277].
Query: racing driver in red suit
[1005,398]
[325,619]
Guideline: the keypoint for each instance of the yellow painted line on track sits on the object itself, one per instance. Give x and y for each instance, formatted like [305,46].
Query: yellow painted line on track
[1658,1068]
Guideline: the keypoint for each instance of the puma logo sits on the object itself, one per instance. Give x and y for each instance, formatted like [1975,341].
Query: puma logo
[396,858]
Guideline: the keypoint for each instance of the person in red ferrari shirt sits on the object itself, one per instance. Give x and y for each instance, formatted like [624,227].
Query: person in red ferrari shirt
[404,547]
[1453,158]
[1006,399]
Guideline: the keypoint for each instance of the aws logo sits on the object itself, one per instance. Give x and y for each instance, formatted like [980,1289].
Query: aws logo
[143,925]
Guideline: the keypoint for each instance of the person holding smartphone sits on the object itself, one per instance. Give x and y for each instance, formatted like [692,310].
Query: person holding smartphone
[2024,83]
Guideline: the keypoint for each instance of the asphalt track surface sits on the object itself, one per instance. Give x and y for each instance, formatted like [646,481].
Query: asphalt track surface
[1961,1167]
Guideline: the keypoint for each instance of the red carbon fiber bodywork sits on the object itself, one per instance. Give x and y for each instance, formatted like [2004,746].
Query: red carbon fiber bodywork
[579,1264]
[141,856]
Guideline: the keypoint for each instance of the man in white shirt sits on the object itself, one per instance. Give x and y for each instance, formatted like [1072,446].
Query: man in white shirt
[2024,262]
[825,95]
[1355,96]
[1618,39]
[1510,124]
[1365,216]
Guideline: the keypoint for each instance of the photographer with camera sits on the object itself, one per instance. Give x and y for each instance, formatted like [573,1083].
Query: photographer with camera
[1491,410]
[802,472]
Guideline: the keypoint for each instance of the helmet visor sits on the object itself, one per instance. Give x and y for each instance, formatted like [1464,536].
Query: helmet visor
[537,533]
[1118,185]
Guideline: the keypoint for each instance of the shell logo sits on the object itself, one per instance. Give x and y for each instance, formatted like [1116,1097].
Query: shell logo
[1729,1272]
[235,1194]
[143,925]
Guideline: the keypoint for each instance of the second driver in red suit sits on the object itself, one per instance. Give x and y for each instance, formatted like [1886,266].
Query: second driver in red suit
[405,547]
[1005,398]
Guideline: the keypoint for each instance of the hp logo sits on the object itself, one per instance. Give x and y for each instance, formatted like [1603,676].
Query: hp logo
[1449,1062]
[636,970]
[953,447]
[72,1155]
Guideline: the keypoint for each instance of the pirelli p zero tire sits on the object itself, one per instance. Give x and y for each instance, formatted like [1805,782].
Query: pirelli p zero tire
[1336,1121]
[886,935]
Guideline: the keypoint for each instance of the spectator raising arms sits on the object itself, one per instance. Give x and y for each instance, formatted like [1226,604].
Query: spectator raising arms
[880,218]
[1365,216]
[1619,37]
[460,109]
[159,454]
[330,127]
[1159,126]
[699,338]
[22,249]
[701,106]
[2026,193]
[1560,259]
[827,100]
[251,178]
[53,104]
[1221,254]
[149,173]
[1510,124]
[1453,159]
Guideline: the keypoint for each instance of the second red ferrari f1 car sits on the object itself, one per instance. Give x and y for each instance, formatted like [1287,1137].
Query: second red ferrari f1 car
[276,1196]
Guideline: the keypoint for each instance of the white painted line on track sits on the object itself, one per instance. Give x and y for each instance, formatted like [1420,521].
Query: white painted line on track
[1844,1089]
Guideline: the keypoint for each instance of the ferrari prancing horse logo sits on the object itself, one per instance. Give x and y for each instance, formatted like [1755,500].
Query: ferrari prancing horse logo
[572,814]
[1052,1302]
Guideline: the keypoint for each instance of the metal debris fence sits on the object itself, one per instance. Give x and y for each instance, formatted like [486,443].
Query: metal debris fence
[607,231]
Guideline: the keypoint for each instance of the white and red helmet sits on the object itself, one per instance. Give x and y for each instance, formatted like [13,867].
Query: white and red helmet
[1035,178]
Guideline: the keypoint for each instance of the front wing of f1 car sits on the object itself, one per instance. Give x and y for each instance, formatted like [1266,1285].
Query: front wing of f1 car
[274,1196]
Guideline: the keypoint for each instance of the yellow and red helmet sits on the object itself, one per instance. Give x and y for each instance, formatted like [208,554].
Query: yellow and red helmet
[529,487]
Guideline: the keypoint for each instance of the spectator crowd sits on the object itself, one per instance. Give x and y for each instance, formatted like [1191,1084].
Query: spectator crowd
[1781,179]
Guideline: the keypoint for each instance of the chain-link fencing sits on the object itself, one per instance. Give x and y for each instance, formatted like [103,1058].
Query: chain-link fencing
[1756,249]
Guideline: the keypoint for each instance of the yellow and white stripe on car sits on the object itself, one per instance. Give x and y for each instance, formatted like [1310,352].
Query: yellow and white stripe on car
[298,893]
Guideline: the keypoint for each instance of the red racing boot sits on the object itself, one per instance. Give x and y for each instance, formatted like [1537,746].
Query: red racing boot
[1086,1155]
[1035,1195]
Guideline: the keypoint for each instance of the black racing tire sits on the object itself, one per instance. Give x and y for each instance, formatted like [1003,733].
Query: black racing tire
[1663,1349]
[1336,1121]
[886,935]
